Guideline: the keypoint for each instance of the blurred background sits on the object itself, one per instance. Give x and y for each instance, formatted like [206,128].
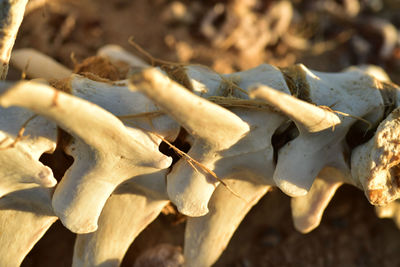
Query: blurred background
[229,36]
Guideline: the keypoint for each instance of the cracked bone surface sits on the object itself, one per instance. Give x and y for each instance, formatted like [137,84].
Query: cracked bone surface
[376,163]
[302,158]
[106,152]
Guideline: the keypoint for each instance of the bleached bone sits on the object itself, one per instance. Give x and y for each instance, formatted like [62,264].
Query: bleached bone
[128,211]
[206,237]
[228,156]
[138,201]
[19,156]
[376,163]
[307,210]
[129,106]
[106,152]
[300,160]
[38,65]
[25,216]
[117,54]
[215,129]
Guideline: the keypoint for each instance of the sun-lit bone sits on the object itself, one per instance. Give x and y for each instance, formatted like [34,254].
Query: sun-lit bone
[300,160]
[106,153]
[25,216]
[215,129]
[206,237]
[129,210]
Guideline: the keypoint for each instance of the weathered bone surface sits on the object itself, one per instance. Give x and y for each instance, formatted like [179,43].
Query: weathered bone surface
[215,128]
[206,237]
[391,210]
[38,65]
[214,147]
[301,159]
[376,163]
[106,152]
[233,139]
[19,159]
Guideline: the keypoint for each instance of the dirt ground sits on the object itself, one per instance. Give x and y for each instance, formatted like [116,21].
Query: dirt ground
[231,36]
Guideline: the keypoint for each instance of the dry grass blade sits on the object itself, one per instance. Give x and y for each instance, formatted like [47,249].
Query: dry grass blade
[19,136]
[194,162]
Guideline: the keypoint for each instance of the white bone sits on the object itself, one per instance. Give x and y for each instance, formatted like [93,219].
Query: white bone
[106,152]
[206,237]
[215,129]
[128,211]
[10,20]
[307,117]
[121,101]
[300,161]
[38,65]
[117,54]
[25,216]
[307,210]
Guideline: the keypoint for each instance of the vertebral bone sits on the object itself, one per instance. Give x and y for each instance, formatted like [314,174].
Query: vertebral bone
[25,216]
[250,156]
[300,161]
[106,152]
[19,155]
[128,211]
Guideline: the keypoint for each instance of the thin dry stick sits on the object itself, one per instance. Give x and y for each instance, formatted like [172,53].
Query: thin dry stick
[19,136]
[348,115]
[192,163]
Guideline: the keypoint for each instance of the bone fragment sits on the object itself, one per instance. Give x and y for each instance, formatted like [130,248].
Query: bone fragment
[307,210]
[19,155]
[308,117]
[129,210]
[376,163]
[12,13]
[214,128]
[25,216]
[206,237]
[301,159]
[106,153]
[117,54]
[391,210]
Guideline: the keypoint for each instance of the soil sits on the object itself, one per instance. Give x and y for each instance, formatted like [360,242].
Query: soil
[242,35]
